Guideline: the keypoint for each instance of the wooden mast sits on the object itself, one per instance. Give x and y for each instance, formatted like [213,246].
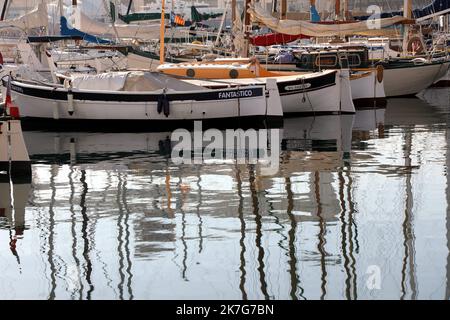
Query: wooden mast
[161,34]
[407,13]
[283,9]
[346,12]
[337,9]
[247,28]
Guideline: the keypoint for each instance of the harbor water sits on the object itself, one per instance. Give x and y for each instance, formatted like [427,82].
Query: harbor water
[359,209]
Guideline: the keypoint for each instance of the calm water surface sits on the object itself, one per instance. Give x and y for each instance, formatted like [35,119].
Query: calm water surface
[358,210]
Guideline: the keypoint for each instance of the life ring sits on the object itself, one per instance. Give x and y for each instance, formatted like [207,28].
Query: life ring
[380,73]
[415,45]
[196,42]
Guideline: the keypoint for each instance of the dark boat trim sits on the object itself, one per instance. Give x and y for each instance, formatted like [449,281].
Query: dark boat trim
[18,172]
[370,103]
[61,94]
[150,125]
[317,113]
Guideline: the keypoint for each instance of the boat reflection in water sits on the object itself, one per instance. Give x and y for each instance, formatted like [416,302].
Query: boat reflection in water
[13,200]
[358,210]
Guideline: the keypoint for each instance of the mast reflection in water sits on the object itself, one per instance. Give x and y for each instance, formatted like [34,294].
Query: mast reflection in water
[108,216]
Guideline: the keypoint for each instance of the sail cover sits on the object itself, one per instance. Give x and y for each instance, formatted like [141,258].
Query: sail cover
[296,27]
[434,7]
[37,18]
[274,38]
[86,24]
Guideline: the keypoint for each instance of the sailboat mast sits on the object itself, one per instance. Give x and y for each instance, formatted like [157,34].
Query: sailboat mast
[4,9]
[161,34]
[129,6]
[283,9]
[61,8]
[407,13]
[337,9]
[346,12]
[247,28]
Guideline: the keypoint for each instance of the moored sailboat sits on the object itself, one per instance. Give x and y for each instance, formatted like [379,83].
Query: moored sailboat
[139,100]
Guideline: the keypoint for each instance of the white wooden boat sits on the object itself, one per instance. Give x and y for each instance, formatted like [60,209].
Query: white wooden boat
[407,79]
[140,98]
[368,89]
[319,93]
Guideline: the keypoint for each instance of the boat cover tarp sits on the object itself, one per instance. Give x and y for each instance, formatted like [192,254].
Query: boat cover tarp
[66,31]
[133,81]
[144,31]
[197,16]
[46,39]
[435,7]
[275,38]
[36,18]
[296,27]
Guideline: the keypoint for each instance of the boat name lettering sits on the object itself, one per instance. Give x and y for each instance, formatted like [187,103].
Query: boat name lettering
[235,94]
[16,88]
[298,87]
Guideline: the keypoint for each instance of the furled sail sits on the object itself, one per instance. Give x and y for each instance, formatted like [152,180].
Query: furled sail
[86,24]
[136,16]
[296,27]
[37,18]
[197,16]
[66,31]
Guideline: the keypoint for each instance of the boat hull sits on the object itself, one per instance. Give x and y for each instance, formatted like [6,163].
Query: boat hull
[410,80]
[367,90]
[105,109]
[321,93]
